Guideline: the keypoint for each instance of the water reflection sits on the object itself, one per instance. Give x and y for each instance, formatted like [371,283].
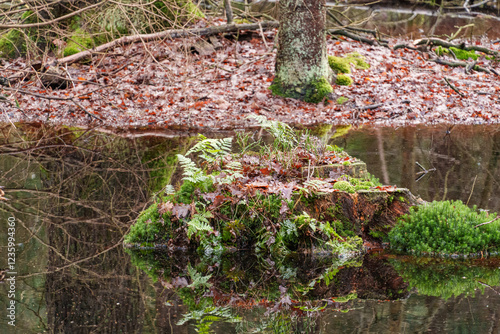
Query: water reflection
[76,192]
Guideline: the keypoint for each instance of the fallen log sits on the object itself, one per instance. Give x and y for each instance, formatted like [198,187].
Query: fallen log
[176,33]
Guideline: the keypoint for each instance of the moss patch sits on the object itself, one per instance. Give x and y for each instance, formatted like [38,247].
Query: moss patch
[344,80]
[314,92]
[79,41]
[339,65]
[342,100]
[358,61]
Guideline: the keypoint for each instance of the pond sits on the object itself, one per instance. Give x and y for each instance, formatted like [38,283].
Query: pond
[74,193]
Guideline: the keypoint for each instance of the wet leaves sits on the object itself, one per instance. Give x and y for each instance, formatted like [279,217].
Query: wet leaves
[161,84]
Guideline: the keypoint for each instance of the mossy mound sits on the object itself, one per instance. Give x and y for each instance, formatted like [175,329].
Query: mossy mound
[339,65]
[342,65]
[446,228]
[344,80]
[12,44]
[269,202]
[314,92]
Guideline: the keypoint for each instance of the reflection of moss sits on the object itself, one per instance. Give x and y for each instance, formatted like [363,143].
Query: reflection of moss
[445,279]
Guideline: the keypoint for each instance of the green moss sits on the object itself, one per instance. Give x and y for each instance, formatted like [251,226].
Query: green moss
[12,44]
[342,100]
[344,186]
[358,61]
[459,53]
[79,41]
[149,228]
[314,93]
[320,89]
[344,80]
[339,65]
[446,228]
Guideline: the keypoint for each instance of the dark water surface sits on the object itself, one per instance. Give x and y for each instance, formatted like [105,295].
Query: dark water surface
[74,194]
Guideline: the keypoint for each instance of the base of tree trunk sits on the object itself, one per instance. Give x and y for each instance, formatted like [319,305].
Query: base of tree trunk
[314,92]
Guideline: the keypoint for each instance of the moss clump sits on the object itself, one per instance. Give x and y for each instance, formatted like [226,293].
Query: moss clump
[446,228]
[358,61]
[342,100]
[459,53]
[344,186]
[12,44]
[344,80]
[316,92]
[79,41]
[149,228]
[339,65]
[320,89]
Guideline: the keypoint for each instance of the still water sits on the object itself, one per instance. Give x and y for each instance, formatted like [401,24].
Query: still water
[74,193]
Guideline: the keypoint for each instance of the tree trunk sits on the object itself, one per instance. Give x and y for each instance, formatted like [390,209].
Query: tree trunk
[302,69]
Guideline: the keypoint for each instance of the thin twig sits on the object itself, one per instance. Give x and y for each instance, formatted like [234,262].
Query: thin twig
[453,87]
[491,221]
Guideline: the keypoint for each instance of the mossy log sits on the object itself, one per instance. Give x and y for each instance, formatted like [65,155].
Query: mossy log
[370,214]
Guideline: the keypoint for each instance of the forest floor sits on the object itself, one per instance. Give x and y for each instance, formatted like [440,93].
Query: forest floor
[167,85]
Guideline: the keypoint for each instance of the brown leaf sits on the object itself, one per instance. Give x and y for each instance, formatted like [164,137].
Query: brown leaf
[181,210]
[165,207]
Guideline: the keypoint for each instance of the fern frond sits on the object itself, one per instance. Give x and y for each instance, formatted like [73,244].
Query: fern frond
[197,279]
[191,172]
[212,149]
[199,223]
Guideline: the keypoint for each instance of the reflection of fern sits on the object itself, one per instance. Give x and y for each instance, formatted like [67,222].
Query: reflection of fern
[191,172]
[199,223]
[212,149]
[197,279]
[204,318]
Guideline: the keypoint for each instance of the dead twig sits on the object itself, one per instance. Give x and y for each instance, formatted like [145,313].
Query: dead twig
[453,87]
[491,221]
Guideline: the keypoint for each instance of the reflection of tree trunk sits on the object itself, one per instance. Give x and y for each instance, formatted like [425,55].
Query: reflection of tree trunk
[490,172]
[408,155]
[167,315]
[381,153]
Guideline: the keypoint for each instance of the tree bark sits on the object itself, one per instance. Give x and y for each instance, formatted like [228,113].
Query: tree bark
[302,69]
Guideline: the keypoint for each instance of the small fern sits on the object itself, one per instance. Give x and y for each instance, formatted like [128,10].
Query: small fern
[191,172]
[199,223]
[233,170]
[212,150]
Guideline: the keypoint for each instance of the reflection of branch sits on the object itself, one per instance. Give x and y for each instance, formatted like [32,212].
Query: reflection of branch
[423,172]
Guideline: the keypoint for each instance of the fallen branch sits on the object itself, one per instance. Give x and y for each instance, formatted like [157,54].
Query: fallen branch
[491,221]
[453,87]
[355,37]
[176,33]
[446,44]
[460,63]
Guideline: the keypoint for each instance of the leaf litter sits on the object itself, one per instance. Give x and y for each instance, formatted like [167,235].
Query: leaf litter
[165,85]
